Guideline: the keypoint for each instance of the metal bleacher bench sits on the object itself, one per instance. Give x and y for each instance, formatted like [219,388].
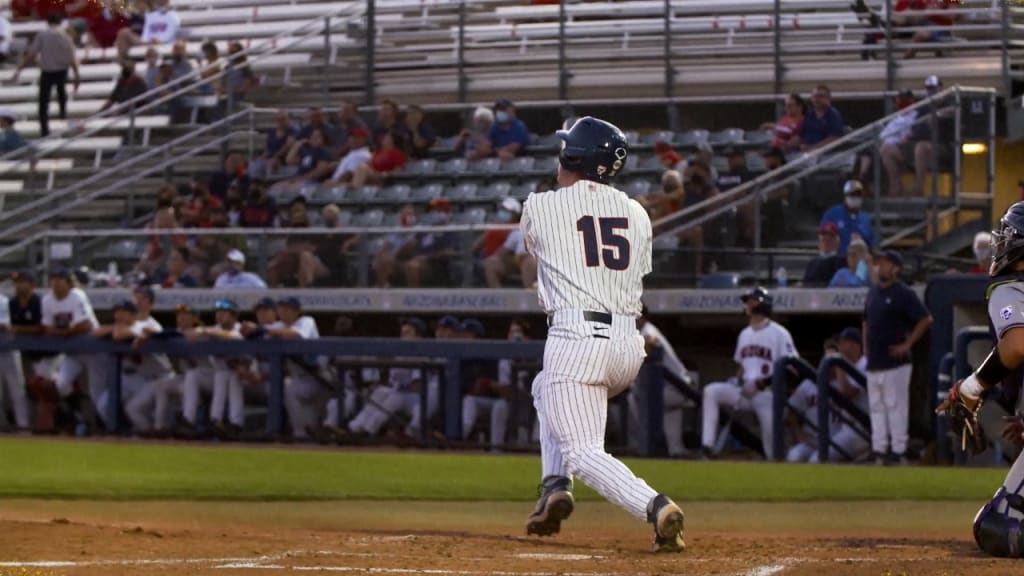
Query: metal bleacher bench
[144,124]
[47,166]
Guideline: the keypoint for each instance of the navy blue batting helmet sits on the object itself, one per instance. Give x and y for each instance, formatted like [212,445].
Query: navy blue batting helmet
[1008,240]
[763,299]
[594,149]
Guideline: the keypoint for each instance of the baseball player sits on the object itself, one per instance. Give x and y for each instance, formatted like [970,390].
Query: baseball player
[592,244]
[999,525]
[302,391]
[12,376]
[760,344]
[218,375]
[673,400]
[489,394]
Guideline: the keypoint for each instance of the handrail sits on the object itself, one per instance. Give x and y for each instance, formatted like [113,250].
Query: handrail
[184,84]
[21,215]
[666,225]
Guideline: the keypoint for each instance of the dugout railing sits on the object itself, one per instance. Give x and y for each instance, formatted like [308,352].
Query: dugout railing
[448,356]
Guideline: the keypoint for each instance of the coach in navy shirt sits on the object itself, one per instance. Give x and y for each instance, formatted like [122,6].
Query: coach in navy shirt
[823,124]
[509,136]
[894,320]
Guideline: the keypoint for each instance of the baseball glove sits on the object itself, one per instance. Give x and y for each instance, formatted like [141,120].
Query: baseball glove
[1014,431]
[963,416]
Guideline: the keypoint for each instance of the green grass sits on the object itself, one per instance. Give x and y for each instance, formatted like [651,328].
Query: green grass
[129,471]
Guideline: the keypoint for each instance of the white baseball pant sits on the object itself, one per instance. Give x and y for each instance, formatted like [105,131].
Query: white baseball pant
[13,377]
[383,402]
[64,369]
[729,396]
[846,438]
[227,390]
[889,403]
[802,452]
[301,394]
[585,364]
[473,406]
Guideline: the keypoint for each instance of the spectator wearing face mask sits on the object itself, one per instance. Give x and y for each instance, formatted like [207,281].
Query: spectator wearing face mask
[849,218]
[511,257]
[823,267]
[509,136]
[982,253]
[858,267]
[235,275]
[474,142]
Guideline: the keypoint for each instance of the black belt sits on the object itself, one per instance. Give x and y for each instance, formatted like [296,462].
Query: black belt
[591,316]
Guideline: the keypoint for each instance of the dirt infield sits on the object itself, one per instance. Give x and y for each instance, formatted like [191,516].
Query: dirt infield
[44,538]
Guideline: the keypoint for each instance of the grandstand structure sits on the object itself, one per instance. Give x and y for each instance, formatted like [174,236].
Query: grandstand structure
[100,170]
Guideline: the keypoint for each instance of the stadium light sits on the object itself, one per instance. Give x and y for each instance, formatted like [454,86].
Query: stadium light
[973,148]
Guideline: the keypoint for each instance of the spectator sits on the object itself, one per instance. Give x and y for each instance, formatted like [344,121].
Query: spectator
[509,136]
[896,144]
[128,87]
[823,124]
[396,247]
[231,175]
[56,54]
[736,173]
[358,154]
[348,121]
[239,80]
[388,123]
[212,66]
[474,143]
[941,23]
[175,271]
[788,128]
[6,33]
[894,320]
[260,210]
[849,218]
[317,120]
[333,250]
[774,158]
[12,375]
[313,160]
[235,276]
[303,391]
[105,25]
[10,138]
[199,212]
[823,267]
[706,155]
[422,135]
[280,139]
[152,69]
[918,150]
[172,70]
[160,26]
[669,158]
[218,375]
[297,266]
[159,244]
[857,272]
[667,200]
[79,13]
[433,249]
[982,247]
[511,257]
[390,158]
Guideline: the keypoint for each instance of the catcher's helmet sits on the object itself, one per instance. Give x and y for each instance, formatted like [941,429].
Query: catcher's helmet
[763,299]
[1008,240]
[594,149]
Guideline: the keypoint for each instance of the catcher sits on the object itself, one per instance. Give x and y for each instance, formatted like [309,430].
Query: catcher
[999,525]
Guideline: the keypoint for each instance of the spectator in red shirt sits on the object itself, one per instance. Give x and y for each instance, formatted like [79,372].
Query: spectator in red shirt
[388,159]
[79,14]
[787,129]
[669,158]
[203,208]
[260,210]
[105,25]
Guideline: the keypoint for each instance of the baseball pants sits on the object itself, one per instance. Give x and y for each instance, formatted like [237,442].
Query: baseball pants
[303,397]
[473,406]
[13,382]
[673,403]
[153,399]
[802,452]
[385,402]
[729,396]
[585,364]
[64,369]
[889,403]
[226,388]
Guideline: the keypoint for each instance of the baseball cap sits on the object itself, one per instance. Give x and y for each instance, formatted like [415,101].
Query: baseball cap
[828,227]
[503,103]
[853,187]
[907,94]
[146,291]
[448,322]
[932,82]
[225,304]
[22,276]
[441,204]
[126,305]
[852,334]
[61,272]
[264,303]
[359,132]
[184,308]
[892,256]
[418,325]
[662,146]
[291,302]
[236,256]
[473,326]
[512,205]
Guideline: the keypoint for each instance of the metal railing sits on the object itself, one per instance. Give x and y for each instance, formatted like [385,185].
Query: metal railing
[152,100]
[863,142]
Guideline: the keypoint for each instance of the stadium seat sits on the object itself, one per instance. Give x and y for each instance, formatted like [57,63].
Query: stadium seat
[546,165]
[758,137]
[127,249]
[726,137]
[328,195]
[366,194]
[520,165]
[427,192]
[755,162]
[691,138]
[395,193]
[369,218]
[660,136]
[549,142]
[496,191]
[638,188]
[454,166]
[720,281]
[485,166]
[462,192]
[669,242]
[523,190]
[632,137]
[650,164]
[472,216]
[421,167]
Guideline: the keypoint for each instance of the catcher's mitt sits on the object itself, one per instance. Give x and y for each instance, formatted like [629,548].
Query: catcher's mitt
[963,416]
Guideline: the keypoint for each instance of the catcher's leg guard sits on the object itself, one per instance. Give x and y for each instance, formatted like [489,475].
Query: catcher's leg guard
[997,533]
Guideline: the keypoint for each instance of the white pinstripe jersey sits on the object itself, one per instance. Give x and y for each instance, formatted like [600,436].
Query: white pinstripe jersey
[593,248]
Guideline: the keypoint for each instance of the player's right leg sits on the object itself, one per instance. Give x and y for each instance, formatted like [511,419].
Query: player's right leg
[715,397]
[999,525]
[878,413]
[555,502]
